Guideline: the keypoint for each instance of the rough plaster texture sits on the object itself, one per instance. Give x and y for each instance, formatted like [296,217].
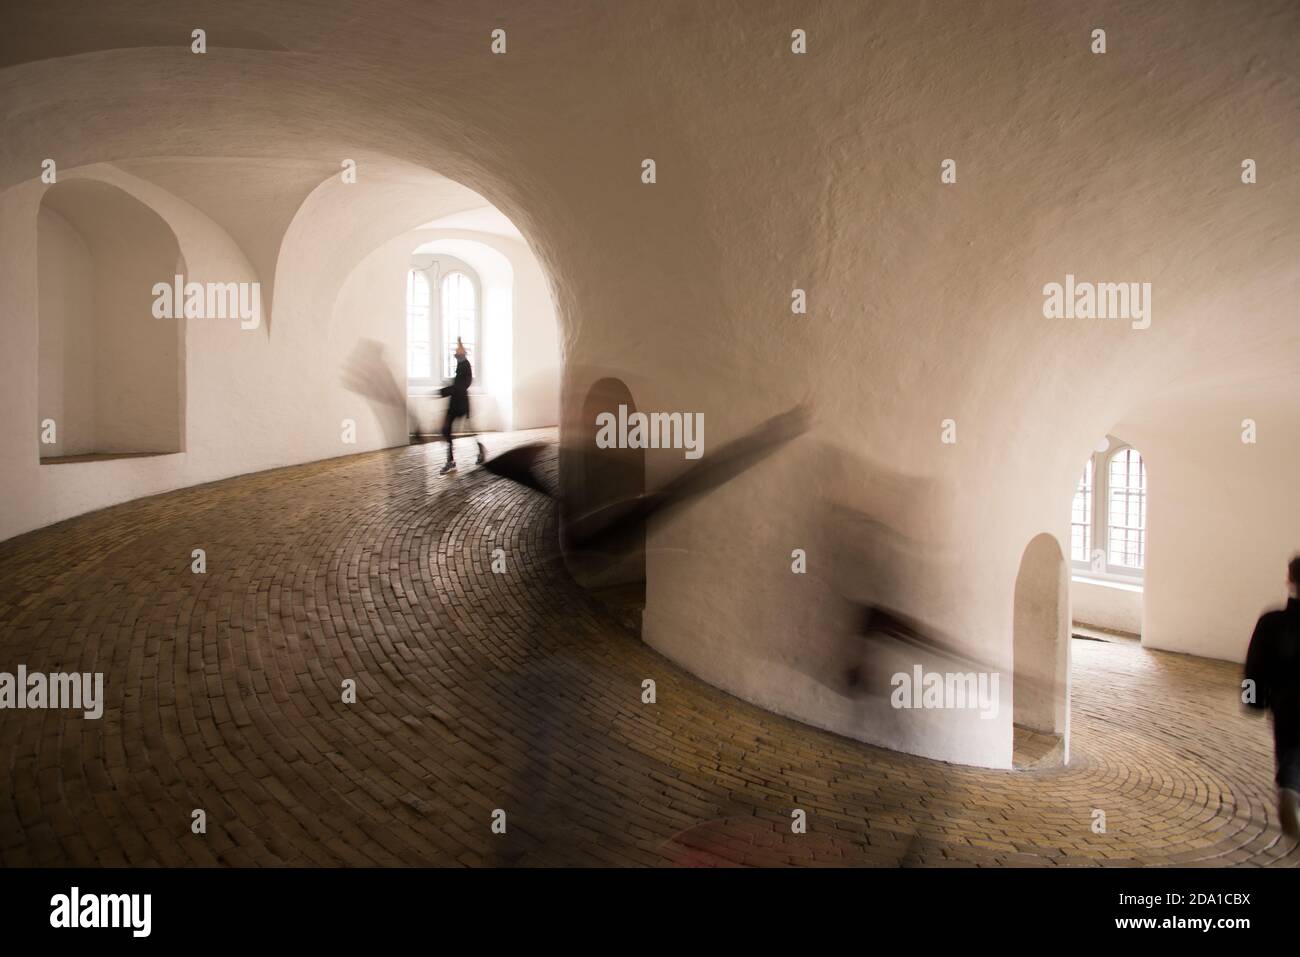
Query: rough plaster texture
[774,171]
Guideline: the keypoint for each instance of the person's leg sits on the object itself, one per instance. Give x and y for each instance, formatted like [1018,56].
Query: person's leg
[482,452]
[446,435]
[1286,738]
[1288,811]
[470,430]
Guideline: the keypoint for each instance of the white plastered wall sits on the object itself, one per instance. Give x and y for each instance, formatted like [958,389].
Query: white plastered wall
[775,171]
[1222,517]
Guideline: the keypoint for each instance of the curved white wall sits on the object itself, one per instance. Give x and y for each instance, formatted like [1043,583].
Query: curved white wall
[774,171]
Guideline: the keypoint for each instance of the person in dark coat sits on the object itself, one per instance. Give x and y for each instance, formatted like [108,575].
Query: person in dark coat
[1273,683]
[457,392]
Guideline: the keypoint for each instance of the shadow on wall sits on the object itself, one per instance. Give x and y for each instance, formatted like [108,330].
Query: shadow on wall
[367,373]
[868,637]
[870,648]
[1040,691]
[603,501]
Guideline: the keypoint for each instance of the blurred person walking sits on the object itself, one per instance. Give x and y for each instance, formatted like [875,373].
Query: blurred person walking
[1273,673]
[457,392]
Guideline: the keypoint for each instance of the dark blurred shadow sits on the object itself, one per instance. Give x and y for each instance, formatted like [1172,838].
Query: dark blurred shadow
[367,373]
[879,535]
[596,528]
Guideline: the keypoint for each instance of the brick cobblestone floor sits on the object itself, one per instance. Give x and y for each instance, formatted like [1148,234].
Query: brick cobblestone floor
[479,691]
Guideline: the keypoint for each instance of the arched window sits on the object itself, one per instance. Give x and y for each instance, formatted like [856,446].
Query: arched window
[1108,515]
[443,302]
[459,319]
[419,326]
[1126,512]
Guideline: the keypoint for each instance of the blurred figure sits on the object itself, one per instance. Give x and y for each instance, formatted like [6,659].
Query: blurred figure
[1273,665]
[606,525]
[366,373]
[457,392]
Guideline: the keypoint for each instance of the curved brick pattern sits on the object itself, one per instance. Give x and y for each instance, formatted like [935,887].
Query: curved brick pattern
[516,691]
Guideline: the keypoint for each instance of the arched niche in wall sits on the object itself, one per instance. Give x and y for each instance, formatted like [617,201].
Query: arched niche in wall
[1041,626]
[603,481]
[110,374]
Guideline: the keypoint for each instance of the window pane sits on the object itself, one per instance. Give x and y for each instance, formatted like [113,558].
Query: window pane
[459,319]
[1126,511]
[419,331]
[1081,517]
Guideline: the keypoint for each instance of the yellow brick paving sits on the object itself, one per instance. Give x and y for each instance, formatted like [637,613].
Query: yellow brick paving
[478,691]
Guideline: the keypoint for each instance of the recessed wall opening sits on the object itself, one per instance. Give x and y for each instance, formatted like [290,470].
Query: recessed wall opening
[474,278]
[1108,519]
[444,304]
[595,478]
[110,377]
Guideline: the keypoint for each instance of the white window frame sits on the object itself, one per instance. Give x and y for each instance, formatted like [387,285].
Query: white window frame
[434,337]
[1089,523]
[1126,571]
[436,267]
[1106,571]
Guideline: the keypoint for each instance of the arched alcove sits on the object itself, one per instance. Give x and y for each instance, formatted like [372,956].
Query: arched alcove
[604,482]
[110,374]
[1042,654]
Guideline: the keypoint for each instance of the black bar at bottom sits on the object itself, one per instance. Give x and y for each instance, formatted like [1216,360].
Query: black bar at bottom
[205,908]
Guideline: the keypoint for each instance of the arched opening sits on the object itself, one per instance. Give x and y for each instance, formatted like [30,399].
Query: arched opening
[605,481]
[110,374]
[1108,539]
[445,301]
[511,333]
[1042,656]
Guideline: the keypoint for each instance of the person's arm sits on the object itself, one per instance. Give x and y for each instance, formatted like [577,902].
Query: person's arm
[1258,668]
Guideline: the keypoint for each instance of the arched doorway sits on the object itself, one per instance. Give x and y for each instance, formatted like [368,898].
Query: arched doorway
[1040,691]
[604,481]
